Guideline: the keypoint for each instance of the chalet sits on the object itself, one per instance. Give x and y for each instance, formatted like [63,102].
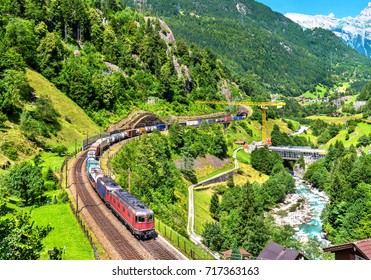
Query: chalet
[240,142]
[274,251]
[243,255]
[357,250]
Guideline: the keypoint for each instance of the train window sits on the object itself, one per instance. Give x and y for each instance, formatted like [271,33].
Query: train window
[150,218]
[129,214]
[140,219]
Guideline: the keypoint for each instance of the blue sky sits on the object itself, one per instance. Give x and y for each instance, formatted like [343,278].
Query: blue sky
[340,8]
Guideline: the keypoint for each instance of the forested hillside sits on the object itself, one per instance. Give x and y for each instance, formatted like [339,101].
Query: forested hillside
[104,56]
[109,60]
[265,47]
[346,179]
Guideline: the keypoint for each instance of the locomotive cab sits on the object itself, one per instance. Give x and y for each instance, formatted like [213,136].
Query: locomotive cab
[144,226]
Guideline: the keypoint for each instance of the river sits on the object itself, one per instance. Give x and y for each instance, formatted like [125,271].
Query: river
[302,210]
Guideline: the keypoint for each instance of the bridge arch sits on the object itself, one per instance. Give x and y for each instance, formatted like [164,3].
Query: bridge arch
[136,119]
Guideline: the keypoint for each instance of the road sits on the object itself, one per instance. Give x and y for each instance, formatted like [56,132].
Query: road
[299,131]
[191,215]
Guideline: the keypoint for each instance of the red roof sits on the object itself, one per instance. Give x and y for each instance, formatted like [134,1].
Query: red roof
[365,246]
[362,246]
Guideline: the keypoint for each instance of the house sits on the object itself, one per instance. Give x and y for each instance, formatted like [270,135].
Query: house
[274,251]
[357,250]
[240,142]
[243,255]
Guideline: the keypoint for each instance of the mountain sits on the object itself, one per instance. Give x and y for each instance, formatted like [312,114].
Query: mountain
[354,31]
[269,50]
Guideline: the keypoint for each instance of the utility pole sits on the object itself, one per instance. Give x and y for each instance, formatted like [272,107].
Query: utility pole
[129,179]
[66,167]
[77,201]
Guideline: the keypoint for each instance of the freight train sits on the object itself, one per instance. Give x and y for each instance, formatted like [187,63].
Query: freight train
[136,216]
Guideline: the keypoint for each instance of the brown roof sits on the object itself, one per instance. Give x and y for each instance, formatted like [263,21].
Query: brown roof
[362,246]
[274,251]
[243,253]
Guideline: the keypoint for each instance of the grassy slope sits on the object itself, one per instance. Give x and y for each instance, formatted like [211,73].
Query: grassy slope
[336,120]
[66,232]
[75,129]
[321,90]
[202,204]
[361,129]
[75,123]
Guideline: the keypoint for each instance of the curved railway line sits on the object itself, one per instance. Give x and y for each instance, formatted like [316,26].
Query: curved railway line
[118,242]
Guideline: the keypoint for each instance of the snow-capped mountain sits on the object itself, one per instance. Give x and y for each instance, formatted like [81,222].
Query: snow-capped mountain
[354,31]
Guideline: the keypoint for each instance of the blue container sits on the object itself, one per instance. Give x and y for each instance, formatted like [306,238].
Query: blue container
[161,126]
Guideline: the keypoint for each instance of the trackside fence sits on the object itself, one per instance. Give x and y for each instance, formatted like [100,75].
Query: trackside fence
[182,243]
[85,229]
[83,225]
[87,142]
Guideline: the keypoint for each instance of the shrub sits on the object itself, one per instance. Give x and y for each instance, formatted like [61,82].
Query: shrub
[9,151]
[62,197]
[50,185]
[60,150]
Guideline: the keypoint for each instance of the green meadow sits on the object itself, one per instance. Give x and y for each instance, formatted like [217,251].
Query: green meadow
[66,233]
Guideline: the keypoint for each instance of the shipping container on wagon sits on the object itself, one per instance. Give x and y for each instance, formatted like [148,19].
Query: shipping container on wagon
[123,135]
[105,187]
[237,118]
[91,154]
[102,146]
[161,126]
[95,174]
[114,138]
[131,132]
[192,123]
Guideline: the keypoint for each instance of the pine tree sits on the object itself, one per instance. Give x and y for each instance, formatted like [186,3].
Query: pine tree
[235,255]
[214,206]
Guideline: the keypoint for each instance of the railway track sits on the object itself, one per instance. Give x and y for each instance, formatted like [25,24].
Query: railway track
[120,239]
[157,250]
